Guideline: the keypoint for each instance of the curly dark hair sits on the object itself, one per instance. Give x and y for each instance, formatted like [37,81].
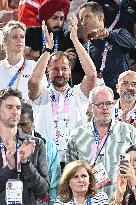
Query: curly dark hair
[64,190]
[5,93]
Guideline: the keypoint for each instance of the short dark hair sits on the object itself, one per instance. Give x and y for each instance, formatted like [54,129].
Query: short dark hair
[96,8]
[27,109]
[5,93]
[64,190]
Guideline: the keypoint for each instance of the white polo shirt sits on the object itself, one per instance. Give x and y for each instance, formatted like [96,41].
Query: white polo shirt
[8,71]
[44,118]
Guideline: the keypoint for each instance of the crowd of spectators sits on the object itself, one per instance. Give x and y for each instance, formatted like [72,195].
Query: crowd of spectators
[68,102]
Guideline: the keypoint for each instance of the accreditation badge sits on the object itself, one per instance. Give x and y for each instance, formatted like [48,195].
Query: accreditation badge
[100,174]
[62,137]
[14,189]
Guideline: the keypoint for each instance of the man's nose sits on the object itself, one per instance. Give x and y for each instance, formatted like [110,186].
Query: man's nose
[60,72]
[14,110]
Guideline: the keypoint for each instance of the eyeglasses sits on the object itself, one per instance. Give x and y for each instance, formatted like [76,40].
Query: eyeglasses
[101,105]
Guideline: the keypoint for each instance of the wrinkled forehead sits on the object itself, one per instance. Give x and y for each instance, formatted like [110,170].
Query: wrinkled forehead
[102,96]
[59,60]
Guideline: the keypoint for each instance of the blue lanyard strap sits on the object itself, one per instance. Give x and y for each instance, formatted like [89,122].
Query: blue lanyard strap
[88,200]
[97,138]
[12,81]
[56,43]
[96,134]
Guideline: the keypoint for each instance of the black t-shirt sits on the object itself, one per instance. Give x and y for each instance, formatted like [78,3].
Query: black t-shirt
[34,39]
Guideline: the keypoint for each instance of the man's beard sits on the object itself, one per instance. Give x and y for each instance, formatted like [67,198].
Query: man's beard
[59,84]
[55,29]
[128,96]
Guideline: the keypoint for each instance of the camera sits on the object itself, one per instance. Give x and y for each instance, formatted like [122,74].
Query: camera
[124,158]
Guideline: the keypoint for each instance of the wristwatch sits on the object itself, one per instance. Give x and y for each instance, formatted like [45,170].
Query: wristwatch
[47,50]
[133,188]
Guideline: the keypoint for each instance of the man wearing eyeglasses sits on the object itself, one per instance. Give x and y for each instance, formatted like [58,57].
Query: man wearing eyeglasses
[101,141]
[125,107]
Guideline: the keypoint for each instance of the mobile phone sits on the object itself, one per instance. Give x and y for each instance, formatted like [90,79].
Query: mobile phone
[124,158]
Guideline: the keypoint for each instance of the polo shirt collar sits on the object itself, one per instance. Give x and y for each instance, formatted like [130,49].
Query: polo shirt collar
[18,65]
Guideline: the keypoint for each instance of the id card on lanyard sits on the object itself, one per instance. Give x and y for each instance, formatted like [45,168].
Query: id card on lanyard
[14,187]
[99,169]
[62,130]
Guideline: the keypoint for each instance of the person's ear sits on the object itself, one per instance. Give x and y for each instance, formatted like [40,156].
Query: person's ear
[117,87]
[101,17]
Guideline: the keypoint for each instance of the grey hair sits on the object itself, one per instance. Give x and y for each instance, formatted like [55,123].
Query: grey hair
[98,89]
[125,73]
[11,25]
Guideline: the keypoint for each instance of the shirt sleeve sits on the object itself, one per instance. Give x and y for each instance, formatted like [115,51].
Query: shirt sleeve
[36,177]
[122,38]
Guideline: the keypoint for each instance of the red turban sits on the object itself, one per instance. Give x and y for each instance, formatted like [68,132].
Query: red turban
[49,7]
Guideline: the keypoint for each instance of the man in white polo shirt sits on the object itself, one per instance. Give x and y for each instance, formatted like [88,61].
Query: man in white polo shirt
[61,108]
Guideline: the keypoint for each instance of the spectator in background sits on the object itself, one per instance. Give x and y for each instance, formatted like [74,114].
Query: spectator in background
[8,11]
[54,13]
[127,18]
[121,14]
[28,11]
[78,186]
[22,158]
[109,50]
[15,70]
[125,107]
[101,141]
[126,183]
[26,123]
[60,108]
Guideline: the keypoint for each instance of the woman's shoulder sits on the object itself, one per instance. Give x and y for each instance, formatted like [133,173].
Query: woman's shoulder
[101,198]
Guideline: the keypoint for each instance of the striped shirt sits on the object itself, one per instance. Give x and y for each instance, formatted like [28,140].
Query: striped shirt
[100,198]
[120,137]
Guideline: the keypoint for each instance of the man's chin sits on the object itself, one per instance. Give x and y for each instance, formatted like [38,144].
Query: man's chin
[129,98]
[59,84]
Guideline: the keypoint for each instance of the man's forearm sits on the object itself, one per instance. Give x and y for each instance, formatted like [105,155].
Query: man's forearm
[35,82]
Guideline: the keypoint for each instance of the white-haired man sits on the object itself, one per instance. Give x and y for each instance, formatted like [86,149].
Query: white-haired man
[101,141]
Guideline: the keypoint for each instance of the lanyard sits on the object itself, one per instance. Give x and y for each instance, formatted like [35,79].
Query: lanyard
[17,76]
[4,158]
[17,156]
[97,145]
[55,104]
[107,46]
[88,201]
[104,56]
[43,40]
[56,43]
[117,17]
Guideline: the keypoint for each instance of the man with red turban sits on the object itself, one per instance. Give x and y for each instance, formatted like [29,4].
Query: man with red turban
[31,13]
[54,13]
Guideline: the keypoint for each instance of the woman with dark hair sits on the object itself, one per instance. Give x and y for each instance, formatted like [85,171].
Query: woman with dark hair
[78,186]
[126,181]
